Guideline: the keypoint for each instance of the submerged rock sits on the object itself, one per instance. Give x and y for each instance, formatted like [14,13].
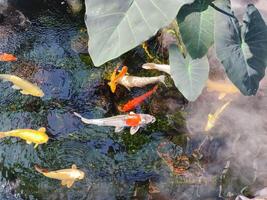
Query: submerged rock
[56,83]
[61,122]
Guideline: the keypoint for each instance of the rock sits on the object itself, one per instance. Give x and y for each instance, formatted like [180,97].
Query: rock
[79,44]
[56,83]
[61,122]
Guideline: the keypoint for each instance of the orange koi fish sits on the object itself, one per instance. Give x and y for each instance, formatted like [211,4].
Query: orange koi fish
[136,101]
[114,79]
[5,57]
[132,120]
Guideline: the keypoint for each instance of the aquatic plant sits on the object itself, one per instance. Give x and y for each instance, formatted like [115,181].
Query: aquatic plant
[117,26]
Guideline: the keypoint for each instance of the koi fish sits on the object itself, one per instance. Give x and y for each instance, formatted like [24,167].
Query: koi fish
[134,81]
[159,67]
[5,57]
[24,86]
[114,79]
[66,176]
[212,118]
[136,101]
[223,88]
[135,121]
[31,136]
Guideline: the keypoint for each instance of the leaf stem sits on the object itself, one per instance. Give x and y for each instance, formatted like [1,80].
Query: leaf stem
[222,11]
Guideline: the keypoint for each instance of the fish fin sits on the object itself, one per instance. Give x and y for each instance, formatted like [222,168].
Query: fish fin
[15,87]
[69,183]
[77,115]
[74,166]
[28,142]
[112,86]
[64,182]
[162,79]
[24,92]
[40,170]
[36,145]
[129,89]
[42,129]
[221,96]
[118,129]
[134,129]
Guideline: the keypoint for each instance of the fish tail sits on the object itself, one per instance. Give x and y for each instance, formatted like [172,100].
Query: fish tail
[77,114]
[2,134]
[87,121]
[162,79]
[40,170]
[155,88]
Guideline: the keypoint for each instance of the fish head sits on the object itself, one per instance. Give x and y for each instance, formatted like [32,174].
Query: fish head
[147,119]
[148,66]
[81,175]
[38,93]
[42,138]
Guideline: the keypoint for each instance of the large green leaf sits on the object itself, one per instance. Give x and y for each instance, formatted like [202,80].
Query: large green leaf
[196,23]
[189,75]
[117,26]
[242,51]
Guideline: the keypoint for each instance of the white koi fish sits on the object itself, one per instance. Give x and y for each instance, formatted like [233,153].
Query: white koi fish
[135,121]
[159,67]
[134,81]
[24,86]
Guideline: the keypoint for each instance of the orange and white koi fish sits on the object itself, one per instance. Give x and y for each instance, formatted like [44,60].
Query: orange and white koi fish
[31,136]
[66,176]
[223,88]
[136,101]
[5,57]
[212,118]
[159,67]
[135,121]
[25,86]
[114,79]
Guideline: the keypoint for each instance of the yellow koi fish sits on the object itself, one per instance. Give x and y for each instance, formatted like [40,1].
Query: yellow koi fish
[24,86]
[223,88]
[212,118]
[115,78]
[66,176]
[31,136]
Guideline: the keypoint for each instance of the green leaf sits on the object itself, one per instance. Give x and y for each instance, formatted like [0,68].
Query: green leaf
[189,75]
[196,23]
[117,26]
[243,52]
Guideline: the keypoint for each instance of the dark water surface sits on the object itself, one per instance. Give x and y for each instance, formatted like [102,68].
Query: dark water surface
[117,166]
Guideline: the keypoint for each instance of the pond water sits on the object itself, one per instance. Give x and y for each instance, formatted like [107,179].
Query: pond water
[51,53]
